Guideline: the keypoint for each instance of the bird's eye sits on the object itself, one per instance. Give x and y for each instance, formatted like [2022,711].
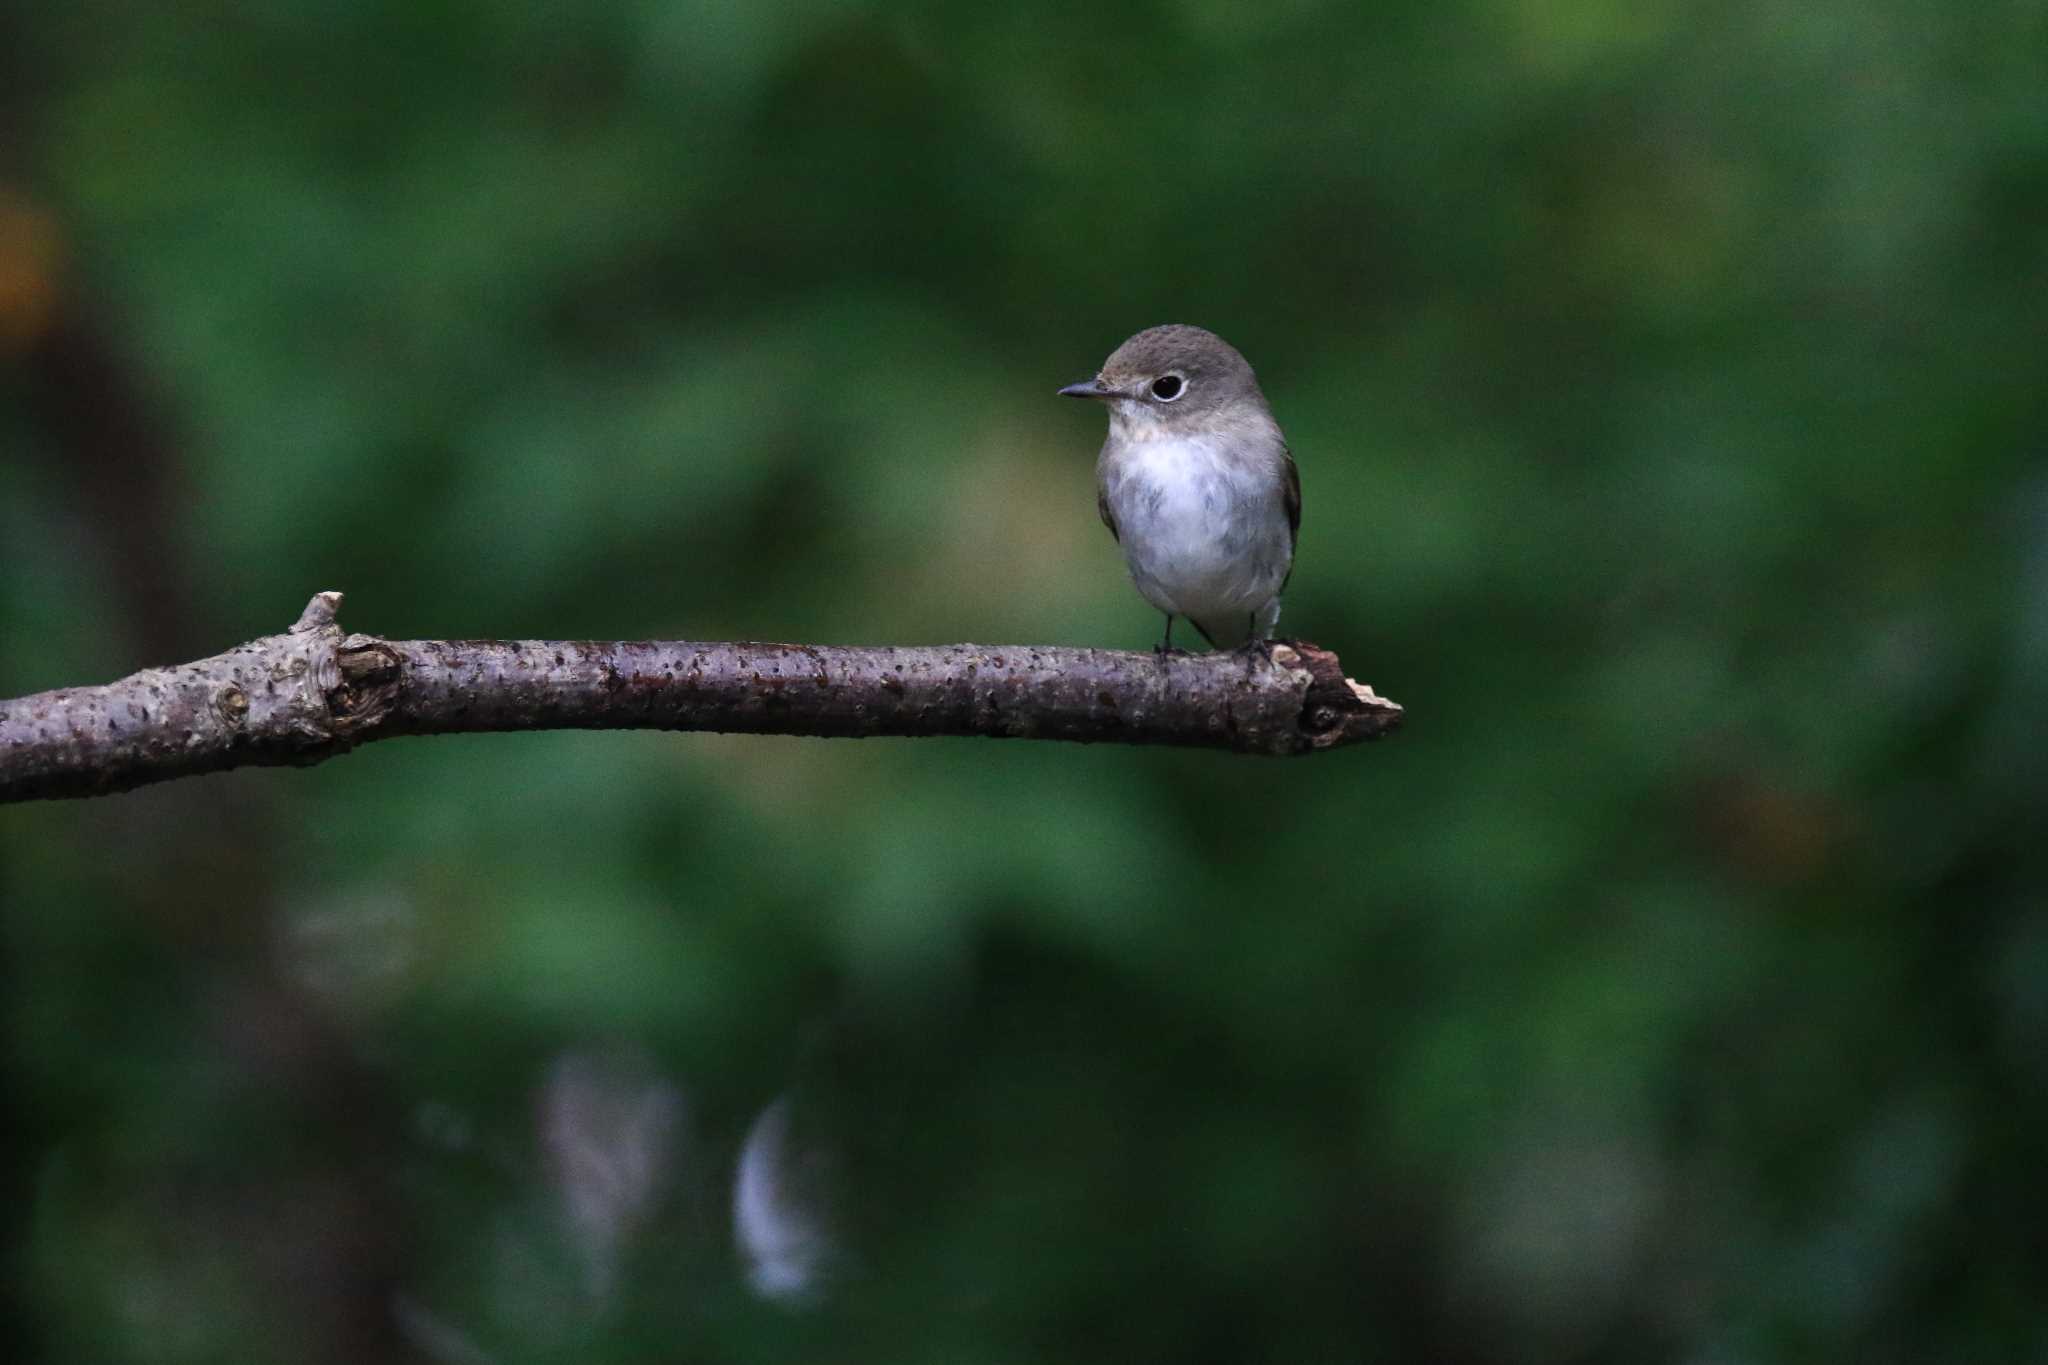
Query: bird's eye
[1167,387]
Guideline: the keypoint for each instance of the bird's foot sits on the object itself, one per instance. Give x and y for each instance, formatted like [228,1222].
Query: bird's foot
[1255,651]
[1164,649]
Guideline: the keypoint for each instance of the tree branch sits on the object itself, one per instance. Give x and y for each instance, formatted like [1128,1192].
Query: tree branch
[314,692]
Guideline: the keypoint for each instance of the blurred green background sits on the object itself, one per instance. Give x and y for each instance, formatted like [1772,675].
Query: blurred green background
[1667,383]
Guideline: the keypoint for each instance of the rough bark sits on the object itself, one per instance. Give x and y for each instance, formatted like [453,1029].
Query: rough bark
[314,692]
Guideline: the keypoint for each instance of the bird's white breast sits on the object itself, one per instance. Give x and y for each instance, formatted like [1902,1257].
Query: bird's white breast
[1202,523]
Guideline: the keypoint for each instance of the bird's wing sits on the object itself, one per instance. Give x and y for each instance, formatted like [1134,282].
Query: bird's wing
[1108,517]
[1291,497]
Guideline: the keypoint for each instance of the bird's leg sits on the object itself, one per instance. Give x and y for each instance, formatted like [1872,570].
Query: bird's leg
[1166,645]
[1256,648]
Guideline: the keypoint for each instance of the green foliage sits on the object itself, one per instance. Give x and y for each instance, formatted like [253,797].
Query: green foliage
[1666,386]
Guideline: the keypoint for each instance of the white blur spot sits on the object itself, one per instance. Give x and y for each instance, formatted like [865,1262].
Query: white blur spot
[610,1127]
[777,1209]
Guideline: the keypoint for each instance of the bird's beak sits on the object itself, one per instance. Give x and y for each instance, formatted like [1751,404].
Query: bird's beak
[1087,388]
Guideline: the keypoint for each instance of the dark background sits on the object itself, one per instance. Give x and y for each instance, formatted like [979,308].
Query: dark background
[1666,381]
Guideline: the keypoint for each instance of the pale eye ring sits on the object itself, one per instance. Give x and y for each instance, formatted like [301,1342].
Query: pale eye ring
[1168,387]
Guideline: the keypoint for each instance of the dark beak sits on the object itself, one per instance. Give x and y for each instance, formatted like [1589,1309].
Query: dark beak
[1087,388]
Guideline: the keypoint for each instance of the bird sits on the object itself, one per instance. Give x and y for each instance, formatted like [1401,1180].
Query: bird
[1195,483]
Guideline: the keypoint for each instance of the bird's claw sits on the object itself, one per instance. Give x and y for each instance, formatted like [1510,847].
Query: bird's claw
[1255,651]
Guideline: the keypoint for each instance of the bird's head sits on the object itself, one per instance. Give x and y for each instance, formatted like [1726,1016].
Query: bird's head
[1172,378]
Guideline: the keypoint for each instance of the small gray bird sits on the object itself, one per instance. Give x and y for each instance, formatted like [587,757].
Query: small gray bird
[1196,483]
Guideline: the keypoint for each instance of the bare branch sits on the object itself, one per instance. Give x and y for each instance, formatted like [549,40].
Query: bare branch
[314,692]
